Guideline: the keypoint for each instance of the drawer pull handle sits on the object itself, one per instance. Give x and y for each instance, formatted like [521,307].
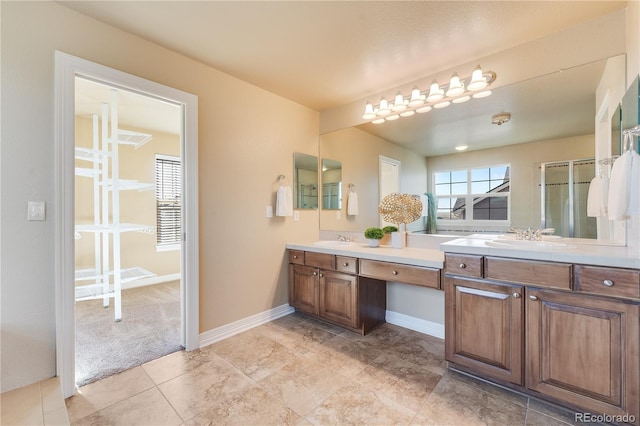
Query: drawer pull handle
[608,283]
[516,295]
[394,272]
[462,266]
[532,297]
[345,264]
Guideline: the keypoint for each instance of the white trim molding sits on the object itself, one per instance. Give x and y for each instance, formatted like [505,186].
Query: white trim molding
[416,324]
[215,335]
[67,67]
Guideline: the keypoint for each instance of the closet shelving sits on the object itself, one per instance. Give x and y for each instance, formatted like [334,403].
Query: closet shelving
[104,281]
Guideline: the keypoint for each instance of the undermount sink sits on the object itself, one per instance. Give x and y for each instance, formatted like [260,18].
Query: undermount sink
[333,243]
[529,245]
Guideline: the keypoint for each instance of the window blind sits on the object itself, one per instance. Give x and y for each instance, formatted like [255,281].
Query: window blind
[168,200]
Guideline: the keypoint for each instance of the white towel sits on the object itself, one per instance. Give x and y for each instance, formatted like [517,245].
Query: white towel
[352,203]
[598,197]
[284,201]
[624,198]
[633,185]
[425,204]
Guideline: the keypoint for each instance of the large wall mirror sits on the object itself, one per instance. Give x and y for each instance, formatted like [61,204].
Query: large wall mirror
[552,120]
[305,181]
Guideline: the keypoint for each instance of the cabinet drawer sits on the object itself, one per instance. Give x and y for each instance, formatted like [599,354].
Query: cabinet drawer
[607,281]
[320,260]
[387,271]
[347,264]
[296,257]
[537,273]
[463,264]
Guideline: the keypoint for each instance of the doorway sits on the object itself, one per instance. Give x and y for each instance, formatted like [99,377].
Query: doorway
[68,68]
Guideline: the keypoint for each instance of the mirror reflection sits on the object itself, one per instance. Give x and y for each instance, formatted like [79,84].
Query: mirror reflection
[331,184]
[547,128]
[305,181]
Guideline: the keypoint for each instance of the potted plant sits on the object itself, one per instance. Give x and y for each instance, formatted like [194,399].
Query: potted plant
[374,235]
[387,234]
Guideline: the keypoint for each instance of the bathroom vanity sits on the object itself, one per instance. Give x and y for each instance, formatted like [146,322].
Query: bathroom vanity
[560,325]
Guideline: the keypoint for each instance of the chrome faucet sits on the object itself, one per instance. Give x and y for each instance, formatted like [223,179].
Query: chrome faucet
[343,238]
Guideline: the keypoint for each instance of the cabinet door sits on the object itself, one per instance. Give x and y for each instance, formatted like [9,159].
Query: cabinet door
[338,298]
[483,328]
[584,350]
[303,288]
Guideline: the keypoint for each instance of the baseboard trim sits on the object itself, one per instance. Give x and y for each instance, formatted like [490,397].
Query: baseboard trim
[215,335]
[415,324]
[151,280]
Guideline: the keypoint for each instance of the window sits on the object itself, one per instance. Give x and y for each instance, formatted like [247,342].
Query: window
[473,195]
[168,200]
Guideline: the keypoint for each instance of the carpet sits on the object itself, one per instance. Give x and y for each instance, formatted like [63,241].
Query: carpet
[150,329]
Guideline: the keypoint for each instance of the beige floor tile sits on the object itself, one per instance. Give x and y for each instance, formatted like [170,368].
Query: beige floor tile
[22,406]
[197,390]
[303,384]
[103,393]
[252,407]
[299,337]
[342,355]
[356,405]
[455,401]
[173,365]
[535,418]
[550,410]
[147,408]
[255,355]
[57,417]
[399,380]
[51,393]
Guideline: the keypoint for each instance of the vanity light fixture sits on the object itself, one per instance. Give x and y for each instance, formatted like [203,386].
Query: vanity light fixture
[436,97]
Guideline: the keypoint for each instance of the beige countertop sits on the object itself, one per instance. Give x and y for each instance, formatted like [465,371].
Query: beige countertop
[576,251]
[432,258]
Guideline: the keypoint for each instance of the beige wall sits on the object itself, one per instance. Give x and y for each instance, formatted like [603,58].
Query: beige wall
[525,160]
[359,153]
[246,139]
[138,249]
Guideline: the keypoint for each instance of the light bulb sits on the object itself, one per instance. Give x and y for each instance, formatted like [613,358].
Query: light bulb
[461,147]
[408,113]
[461,99]
[378,121]
[442,104]
[423,109]
[435,93]
[482,94]
[416,98]
[369,113]
[383,108]
[456,87]
[398,103]
[478,80]
[392,117]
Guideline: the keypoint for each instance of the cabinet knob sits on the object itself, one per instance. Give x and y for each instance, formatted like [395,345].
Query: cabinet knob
[516,295]
[321,275]
[394,272]
[608,283]
[345,264]
[462,266]
[295,256]
[315,273]
[532,297]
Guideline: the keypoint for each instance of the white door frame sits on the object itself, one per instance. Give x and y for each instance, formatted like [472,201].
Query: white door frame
[386,162]
[67,67]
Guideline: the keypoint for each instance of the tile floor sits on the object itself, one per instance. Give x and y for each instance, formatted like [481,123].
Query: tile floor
[40,403]
[296,370]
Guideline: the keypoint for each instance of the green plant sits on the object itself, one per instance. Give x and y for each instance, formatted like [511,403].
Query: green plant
[373,233]
[389,229]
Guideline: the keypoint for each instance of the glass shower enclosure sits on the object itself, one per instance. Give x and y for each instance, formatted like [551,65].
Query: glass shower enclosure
[564,188]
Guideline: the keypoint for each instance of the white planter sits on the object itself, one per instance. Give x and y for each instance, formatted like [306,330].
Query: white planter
[374,243]
[399,239]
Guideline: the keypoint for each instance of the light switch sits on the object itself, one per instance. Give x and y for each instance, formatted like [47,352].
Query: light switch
[269,211]
[296,215]
[338,214]
[35,210]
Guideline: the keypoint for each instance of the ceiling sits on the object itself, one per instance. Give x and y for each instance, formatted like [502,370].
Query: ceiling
[327,54]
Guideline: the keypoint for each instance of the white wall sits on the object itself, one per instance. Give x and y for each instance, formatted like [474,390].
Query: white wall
[246,139]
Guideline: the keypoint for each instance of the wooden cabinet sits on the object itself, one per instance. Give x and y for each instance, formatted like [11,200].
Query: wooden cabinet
[584,350]
[303,288]
[338,298]
[326,286]
[389,271]
[484,327]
